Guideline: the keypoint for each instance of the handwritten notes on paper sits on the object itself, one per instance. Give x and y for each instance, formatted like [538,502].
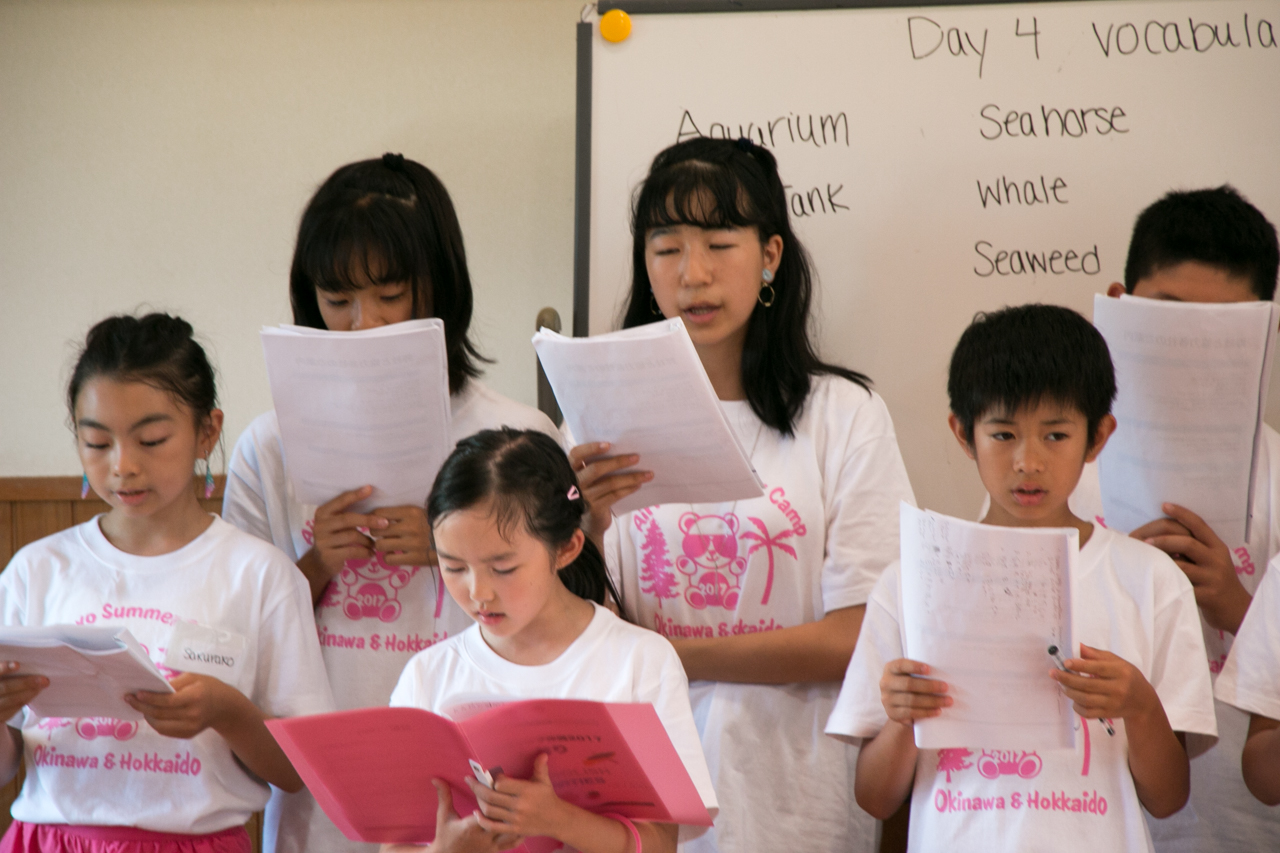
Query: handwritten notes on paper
[356,408]
[981,605]
[645,391]
[1191,392]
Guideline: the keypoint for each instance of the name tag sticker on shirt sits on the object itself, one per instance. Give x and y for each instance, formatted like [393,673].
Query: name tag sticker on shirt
[207,651]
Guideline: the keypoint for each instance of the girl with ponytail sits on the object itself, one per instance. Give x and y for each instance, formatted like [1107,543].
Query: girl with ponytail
[506,513]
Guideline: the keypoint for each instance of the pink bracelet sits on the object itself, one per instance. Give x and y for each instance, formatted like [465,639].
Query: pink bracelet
[625,821]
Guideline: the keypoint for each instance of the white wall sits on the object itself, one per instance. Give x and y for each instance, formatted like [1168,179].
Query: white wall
[158,155]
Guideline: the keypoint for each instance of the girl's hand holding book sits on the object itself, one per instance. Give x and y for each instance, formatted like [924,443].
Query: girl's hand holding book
[457,834]
[522,807]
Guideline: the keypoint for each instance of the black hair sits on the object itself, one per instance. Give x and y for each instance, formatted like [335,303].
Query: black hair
[527,480]
[385,221]
[1217,227]
[1026,355]
[718,183]
[157,350]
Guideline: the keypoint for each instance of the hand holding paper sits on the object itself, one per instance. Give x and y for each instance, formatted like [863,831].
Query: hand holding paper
[358,408]
[89,669]
[645,392]
[18,688]
[981,604]
[1191,383]
[1206,561]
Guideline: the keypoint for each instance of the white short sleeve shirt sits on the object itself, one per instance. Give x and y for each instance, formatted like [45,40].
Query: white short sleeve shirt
[1134,602]
[95,770]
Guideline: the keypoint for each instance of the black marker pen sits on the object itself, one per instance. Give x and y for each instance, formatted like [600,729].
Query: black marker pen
[1062,665]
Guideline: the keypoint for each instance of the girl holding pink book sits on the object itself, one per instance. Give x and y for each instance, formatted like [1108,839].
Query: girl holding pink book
[505,512]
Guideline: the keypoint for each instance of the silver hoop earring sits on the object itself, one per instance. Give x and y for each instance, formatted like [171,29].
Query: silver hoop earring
[760,297]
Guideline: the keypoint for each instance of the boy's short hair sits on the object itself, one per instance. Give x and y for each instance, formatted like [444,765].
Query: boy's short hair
[1217,227]
[1026,355]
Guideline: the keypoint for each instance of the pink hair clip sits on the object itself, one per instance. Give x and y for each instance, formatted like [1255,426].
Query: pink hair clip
[573,493]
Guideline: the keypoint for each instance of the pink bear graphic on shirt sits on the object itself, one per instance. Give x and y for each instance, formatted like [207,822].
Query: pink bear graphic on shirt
[709,559]
[367,588]
[371,588]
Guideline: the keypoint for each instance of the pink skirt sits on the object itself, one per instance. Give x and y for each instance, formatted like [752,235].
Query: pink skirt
[63,838]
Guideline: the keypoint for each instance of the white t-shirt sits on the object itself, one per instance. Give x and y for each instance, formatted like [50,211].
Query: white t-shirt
[610,661]
[1132,601]
[110,772]
[1221,816]
[1249,679]
[816,541]
[374,616]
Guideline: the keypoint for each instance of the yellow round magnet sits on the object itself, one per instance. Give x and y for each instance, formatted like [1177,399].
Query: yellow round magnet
[615,25]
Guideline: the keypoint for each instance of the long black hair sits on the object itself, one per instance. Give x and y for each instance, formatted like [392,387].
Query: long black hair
[527,480]
[718,183]
[386,221]
[156,350]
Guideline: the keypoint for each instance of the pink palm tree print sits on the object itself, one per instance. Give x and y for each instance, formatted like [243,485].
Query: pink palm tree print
[764,540]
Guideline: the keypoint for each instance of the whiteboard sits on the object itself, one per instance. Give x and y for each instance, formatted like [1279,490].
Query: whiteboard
[919,144]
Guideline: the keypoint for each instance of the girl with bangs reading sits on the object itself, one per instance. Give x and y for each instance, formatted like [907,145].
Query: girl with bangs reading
[762,598]
[379,243]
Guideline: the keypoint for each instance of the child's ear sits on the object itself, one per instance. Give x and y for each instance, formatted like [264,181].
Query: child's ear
[209,432]
[957,429]
[1106,427]
[1115,290]
[569,551]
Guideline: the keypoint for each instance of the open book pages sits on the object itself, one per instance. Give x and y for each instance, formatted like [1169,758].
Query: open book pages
[644,391]
[371,769]
[89,669]
[357,408]
[1191,394]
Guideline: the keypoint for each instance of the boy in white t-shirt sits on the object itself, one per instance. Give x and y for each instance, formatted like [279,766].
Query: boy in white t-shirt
[1031,390]
[1209,245]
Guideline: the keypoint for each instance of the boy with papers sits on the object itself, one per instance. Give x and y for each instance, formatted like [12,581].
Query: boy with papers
[1031,391]
[1212,247]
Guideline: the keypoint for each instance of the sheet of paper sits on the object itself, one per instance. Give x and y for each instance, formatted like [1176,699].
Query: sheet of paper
[1191,394]
[89,669]
[371,769]
[356,408]
[981,605]
[644,390]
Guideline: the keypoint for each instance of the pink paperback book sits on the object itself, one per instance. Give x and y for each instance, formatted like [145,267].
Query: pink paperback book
[371,769]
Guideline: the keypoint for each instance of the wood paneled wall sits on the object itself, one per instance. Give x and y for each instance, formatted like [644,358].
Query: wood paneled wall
[34,507]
